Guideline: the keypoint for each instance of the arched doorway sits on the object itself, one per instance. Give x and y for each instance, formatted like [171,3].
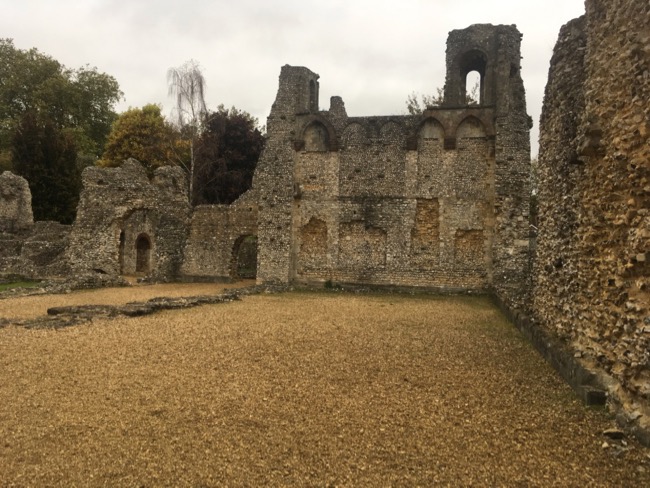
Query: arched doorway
[243,263]
[143,254]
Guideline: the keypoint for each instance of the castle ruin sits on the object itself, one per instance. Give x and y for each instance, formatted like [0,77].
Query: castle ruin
[435,201]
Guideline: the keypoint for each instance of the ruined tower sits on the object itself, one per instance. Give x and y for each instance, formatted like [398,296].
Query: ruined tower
[437,200]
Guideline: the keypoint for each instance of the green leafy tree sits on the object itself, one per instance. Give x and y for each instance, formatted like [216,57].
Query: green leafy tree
[46,157]
[79,101]
[416,104]
[142,134]
[227,154]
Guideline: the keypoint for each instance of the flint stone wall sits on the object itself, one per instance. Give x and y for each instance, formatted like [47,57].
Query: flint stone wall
[27,248]
[439,200]
[127,224]
[216,233]
[15,203]
[591,270]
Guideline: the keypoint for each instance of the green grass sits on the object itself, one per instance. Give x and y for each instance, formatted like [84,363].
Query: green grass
[19,284]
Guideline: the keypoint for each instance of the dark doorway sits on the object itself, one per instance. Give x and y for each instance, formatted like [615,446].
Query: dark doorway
[244,258]
[143,254]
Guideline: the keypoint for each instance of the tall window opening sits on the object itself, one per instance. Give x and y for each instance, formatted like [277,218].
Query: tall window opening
[473,68]
[473,90]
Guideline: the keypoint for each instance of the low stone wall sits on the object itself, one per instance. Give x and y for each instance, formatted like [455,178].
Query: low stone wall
[27,248]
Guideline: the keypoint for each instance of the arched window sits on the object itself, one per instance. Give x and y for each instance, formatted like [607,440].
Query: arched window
[474,64]
[473,88]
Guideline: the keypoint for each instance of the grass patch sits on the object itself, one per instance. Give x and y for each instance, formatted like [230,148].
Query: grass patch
[19,284]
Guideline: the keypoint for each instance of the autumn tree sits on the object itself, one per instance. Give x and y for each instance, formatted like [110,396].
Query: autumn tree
[142,134]
[46,157]
[226,156]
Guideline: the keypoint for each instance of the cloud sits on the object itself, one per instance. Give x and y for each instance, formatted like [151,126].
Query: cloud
[373,53]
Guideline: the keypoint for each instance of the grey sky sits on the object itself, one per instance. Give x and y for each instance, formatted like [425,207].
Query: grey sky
[373,53]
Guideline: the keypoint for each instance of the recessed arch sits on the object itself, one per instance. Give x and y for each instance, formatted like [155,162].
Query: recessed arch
[243,259]
[431,128]
[316,137]
[472,61]
[143,254]
[354,134]
[470,127]
[391,131]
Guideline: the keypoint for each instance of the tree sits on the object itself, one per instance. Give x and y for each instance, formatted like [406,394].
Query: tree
[417,107]
[187,85]
[142,134]
[79,102]
[227,154]
[46,157]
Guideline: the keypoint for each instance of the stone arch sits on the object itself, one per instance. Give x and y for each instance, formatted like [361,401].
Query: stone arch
[391,131]
[143,253]
[470,127]
[461,62]
[472,61]
[430,130]
[315,138]
[354,135]
[243,259]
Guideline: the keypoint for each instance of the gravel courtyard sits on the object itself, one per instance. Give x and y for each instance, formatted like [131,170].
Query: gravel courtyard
[295,389]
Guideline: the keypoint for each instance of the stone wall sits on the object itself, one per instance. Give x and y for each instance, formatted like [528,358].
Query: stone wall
[591,270]
[216,235]
[15,203]
[438,200]
[127,224]
[27,248]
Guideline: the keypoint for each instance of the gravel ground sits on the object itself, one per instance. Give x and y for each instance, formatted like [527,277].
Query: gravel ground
[298,389]
[31,306]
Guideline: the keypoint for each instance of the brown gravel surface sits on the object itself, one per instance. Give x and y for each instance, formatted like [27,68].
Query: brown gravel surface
[299,389]
[28,307]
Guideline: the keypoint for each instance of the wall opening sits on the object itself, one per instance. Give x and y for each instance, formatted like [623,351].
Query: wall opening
[473,82]
[143,254]
[473,66]
[243,264]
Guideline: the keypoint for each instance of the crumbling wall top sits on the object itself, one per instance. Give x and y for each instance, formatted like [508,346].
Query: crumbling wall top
[15,203]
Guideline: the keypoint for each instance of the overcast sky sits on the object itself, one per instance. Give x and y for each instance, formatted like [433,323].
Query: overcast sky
[373,53]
